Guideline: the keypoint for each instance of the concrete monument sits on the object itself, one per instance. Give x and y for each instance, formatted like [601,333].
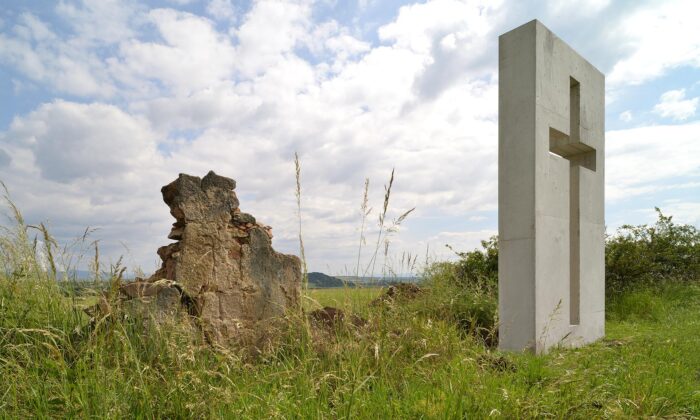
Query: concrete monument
[551,193]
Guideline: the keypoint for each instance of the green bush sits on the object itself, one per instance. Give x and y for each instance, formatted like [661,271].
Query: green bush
[478,267]
[464,292]
[644,254]
[634,256]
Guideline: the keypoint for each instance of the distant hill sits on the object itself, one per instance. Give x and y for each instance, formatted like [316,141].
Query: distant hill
[321,281]
[88,276]
[379,281]
[316,280]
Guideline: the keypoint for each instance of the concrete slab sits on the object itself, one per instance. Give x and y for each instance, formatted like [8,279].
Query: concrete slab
[551,193]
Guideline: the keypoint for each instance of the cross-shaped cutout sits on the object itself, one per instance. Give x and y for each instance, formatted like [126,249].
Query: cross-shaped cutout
[578,154]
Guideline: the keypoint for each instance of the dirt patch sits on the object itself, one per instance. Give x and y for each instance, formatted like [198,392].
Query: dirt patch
[330,317]
[495,362]
[399,292]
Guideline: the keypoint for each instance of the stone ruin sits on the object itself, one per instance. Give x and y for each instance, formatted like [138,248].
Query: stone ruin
[222,265]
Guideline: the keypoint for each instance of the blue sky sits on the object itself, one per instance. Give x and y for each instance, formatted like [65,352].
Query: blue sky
[103,102]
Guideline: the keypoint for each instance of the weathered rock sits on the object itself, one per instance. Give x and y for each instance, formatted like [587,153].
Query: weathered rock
[243,218]
[165,295]
[224,261]
[158,301]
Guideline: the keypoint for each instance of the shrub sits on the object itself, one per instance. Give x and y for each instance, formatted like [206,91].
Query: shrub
[644,254]
[478,267]
[464,292]
[634,255]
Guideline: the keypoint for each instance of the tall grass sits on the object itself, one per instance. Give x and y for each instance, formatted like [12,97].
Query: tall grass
[382,219]
[422,358]
[365,210]
[383,233]
[297,192]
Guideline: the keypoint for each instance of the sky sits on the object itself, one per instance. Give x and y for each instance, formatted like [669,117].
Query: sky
[103,102]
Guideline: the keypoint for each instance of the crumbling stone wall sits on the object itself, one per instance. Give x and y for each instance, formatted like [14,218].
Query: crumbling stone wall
[224,262]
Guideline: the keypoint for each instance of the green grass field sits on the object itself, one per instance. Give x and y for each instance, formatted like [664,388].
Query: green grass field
[431,356]
[405,364]
[353,300]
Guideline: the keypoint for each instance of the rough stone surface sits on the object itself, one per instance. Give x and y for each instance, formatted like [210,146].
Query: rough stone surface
[551,202]
[223,260]
[158,301]
[155,301]
[161,296]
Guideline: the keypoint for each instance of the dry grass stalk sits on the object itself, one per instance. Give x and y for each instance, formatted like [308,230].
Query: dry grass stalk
[297,167]
[365,210]
[382,218]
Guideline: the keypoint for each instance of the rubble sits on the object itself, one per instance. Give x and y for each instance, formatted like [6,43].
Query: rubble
[223,263]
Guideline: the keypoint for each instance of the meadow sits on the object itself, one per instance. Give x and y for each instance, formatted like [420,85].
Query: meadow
[405,364]
[432,355]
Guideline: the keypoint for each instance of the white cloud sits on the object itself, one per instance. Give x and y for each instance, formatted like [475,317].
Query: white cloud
[78,165]
[674,105]
[683,211]
[648,159]
[418,26]
[5,159]
[63,64]
[270,30]
[193,55]
[72,141]
[626,116]
[345,45]
[563,8]
[454,38]
[100,21]
[194,96]
[659,38]
[221,9]
[460,241]
[32,28]
[247,106]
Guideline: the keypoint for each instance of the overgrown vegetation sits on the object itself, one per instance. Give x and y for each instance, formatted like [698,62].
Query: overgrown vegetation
[478,268]
[469,303]
[650,255]
[427,357]
[643,259]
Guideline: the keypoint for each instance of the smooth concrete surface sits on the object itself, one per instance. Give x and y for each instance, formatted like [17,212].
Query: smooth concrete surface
[551,277]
